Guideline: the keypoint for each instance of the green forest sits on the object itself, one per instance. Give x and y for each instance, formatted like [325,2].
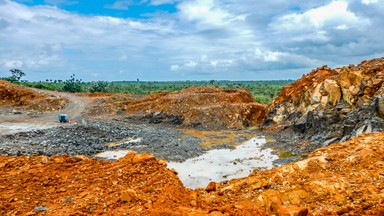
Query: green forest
[263,91]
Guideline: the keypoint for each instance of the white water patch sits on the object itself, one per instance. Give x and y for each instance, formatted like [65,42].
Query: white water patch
[112,155]
[224,164]
[10,128]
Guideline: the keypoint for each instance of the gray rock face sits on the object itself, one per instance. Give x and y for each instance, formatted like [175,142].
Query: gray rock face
[330,125]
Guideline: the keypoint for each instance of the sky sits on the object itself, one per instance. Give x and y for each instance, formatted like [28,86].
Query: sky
[167,40]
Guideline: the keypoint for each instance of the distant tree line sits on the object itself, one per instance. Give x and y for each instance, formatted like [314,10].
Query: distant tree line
[263,91]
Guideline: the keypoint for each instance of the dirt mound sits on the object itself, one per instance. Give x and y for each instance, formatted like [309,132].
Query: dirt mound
[330,105]
[103,104]
[29,99]
[134,185]
[340,179]
[207,106]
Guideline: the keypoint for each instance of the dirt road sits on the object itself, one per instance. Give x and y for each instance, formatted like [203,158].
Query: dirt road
[13,120]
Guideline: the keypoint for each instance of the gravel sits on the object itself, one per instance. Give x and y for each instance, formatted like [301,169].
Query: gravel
[92,137]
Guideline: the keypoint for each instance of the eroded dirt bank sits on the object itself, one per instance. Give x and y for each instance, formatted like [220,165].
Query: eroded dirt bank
[341,179]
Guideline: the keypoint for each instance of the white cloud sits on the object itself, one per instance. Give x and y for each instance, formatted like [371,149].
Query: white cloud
[174,67]
[13,64]
[120,5]
[204,12]
[190,64]
[367,2]
[203,39]
[335,13]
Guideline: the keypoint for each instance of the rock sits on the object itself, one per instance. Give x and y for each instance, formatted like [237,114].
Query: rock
[334,91]
[326,106]
[292,211]
[380,105]
[162,162]
[16,112]
[211,187]
[81,157]
[140,158]
[128,195]
[40,209]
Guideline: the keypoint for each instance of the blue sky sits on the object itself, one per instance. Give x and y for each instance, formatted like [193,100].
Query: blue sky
[186,39]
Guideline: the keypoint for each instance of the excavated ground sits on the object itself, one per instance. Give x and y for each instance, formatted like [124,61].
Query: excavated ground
[203,107]
[19,96]
[344,178]
[341,179]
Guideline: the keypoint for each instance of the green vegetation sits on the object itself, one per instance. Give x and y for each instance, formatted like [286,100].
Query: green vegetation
[72,85]
[15,77]
[263,91]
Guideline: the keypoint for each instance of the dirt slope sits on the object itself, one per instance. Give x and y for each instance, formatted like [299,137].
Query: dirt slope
[207,106]
[27,98]
[340,179]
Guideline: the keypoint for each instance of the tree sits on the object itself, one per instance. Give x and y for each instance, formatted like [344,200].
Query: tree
[17,74]
[99,87]
[72,85]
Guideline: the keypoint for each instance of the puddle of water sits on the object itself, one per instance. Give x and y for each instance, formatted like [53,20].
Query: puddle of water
[112,155]
[9,128]
[224,164]
[216,165]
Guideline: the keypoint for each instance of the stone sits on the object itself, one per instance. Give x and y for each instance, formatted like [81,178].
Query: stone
[40,209]
[139,158]
[211,187]
[354,90]
[380,106]
[128,195]
[334,91]
[81,157]
[162,162]
[292,210]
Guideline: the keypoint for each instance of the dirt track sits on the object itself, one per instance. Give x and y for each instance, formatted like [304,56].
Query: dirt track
[10,117]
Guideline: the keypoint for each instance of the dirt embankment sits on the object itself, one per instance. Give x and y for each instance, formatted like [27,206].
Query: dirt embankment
[341,179]
[330,105]
[200,106]
[107,104]
[29,99]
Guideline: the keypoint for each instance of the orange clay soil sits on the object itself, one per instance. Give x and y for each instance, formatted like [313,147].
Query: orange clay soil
[343,178]
[28,98]
[209,106]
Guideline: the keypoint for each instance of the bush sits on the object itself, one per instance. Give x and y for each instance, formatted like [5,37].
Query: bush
[99,87]
[72,85]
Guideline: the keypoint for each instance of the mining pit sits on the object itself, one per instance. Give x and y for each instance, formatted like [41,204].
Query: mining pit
[318,149]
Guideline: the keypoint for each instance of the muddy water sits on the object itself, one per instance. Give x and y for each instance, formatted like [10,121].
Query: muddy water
[224,164]
[216,165]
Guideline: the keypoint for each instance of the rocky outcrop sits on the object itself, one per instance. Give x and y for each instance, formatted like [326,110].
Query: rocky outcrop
[200,106]
[329,105]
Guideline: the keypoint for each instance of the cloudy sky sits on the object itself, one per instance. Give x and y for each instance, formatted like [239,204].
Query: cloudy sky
[186,39]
